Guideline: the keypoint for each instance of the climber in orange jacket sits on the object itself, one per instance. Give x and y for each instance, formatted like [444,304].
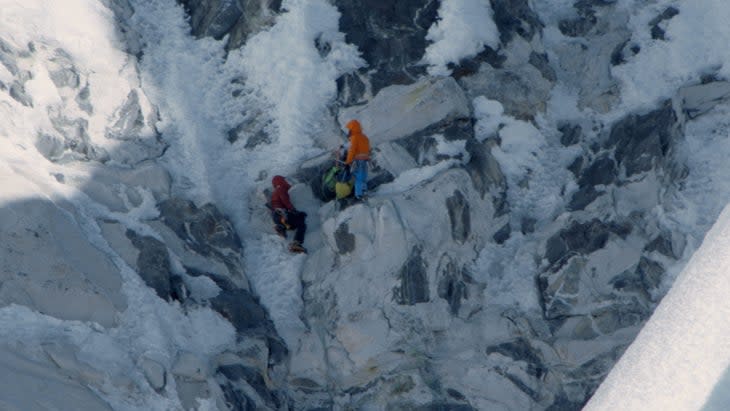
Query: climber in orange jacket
[358,156]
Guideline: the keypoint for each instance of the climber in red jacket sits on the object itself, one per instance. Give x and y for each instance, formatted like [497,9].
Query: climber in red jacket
[285,216]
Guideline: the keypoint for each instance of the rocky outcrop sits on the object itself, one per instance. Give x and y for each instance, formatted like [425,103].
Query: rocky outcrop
[421,105]
[71,136]
[235,19]
[392,39]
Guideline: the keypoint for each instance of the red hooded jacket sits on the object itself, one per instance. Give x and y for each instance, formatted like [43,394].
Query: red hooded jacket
[280,196]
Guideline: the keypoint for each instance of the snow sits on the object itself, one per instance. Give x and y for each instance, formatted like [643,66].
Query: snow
[285,80]
[695,40]
[287,84]
[283,64]
[84,29]
[489,117]
[519,151]
[280,76]
[464,28]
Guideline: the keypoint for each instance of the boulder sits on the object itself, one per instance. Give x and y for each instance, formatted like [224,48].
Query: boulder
[701,98]
[399,111]
[154,373]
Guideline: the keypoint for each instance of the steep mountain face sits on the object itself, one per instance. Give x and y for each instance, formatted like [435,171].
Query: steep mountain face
[518,232]
[398,298]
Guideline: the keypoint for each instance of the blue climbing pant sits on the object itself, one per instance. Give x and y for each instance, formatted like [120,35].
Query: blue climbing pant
[360,170]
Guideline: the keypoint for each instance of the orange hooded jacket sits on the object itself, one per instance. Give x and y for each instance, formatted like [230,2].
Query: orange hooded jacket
[359,143]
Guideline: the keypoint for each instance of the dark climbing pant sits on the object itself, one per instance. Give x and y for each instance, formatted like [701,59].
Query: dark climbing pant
[295,220]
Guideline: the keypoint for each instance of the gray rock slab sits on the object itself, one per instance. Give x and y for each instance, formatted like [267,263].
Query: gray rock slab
[33,384]
[399,111]
[73,281]
[699,99]
[191,366]
[154,372]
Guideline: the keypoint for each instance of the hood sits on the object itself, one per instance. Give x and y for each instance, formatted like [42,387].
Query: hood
[354,127]
[279,181]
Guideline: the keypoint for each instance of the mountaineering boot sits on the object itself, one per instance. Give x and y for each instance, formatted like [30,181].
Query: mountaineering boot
[296,247]
[280,230]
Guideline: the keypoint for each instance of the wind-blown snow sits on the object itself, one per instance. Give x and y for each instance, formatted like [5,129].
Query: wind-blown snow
[278,78]
[283,64]
[464,28]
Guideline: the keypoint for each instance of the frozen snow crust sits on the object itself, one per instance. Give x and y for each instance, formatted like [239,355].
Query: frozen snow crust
[541,174]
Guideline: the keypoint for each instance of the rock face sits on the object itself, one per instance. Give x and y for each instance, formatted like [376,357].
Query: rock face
[469,280]
[73,280]
[424,104]
[95,245]
[236,19]
[398,279]
[392,39]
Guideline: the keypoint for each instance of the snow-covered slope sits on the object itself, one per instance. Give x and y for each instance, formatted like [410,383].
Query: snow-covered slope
[537,184]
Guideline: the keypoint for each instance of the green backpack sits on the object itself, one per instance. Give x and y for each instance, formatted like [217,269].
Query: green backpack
[329,179]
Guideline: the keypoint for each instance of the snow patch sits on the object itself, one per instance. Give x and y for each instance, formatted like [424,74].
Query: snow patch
[464,28]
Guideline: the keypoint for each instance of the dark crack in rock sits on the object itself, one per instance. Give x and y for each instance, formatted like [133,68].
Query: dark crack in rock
[663,245]
[344,239]
[459,216]
[452,285]
[486,174]
[413,287]
[444,406]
